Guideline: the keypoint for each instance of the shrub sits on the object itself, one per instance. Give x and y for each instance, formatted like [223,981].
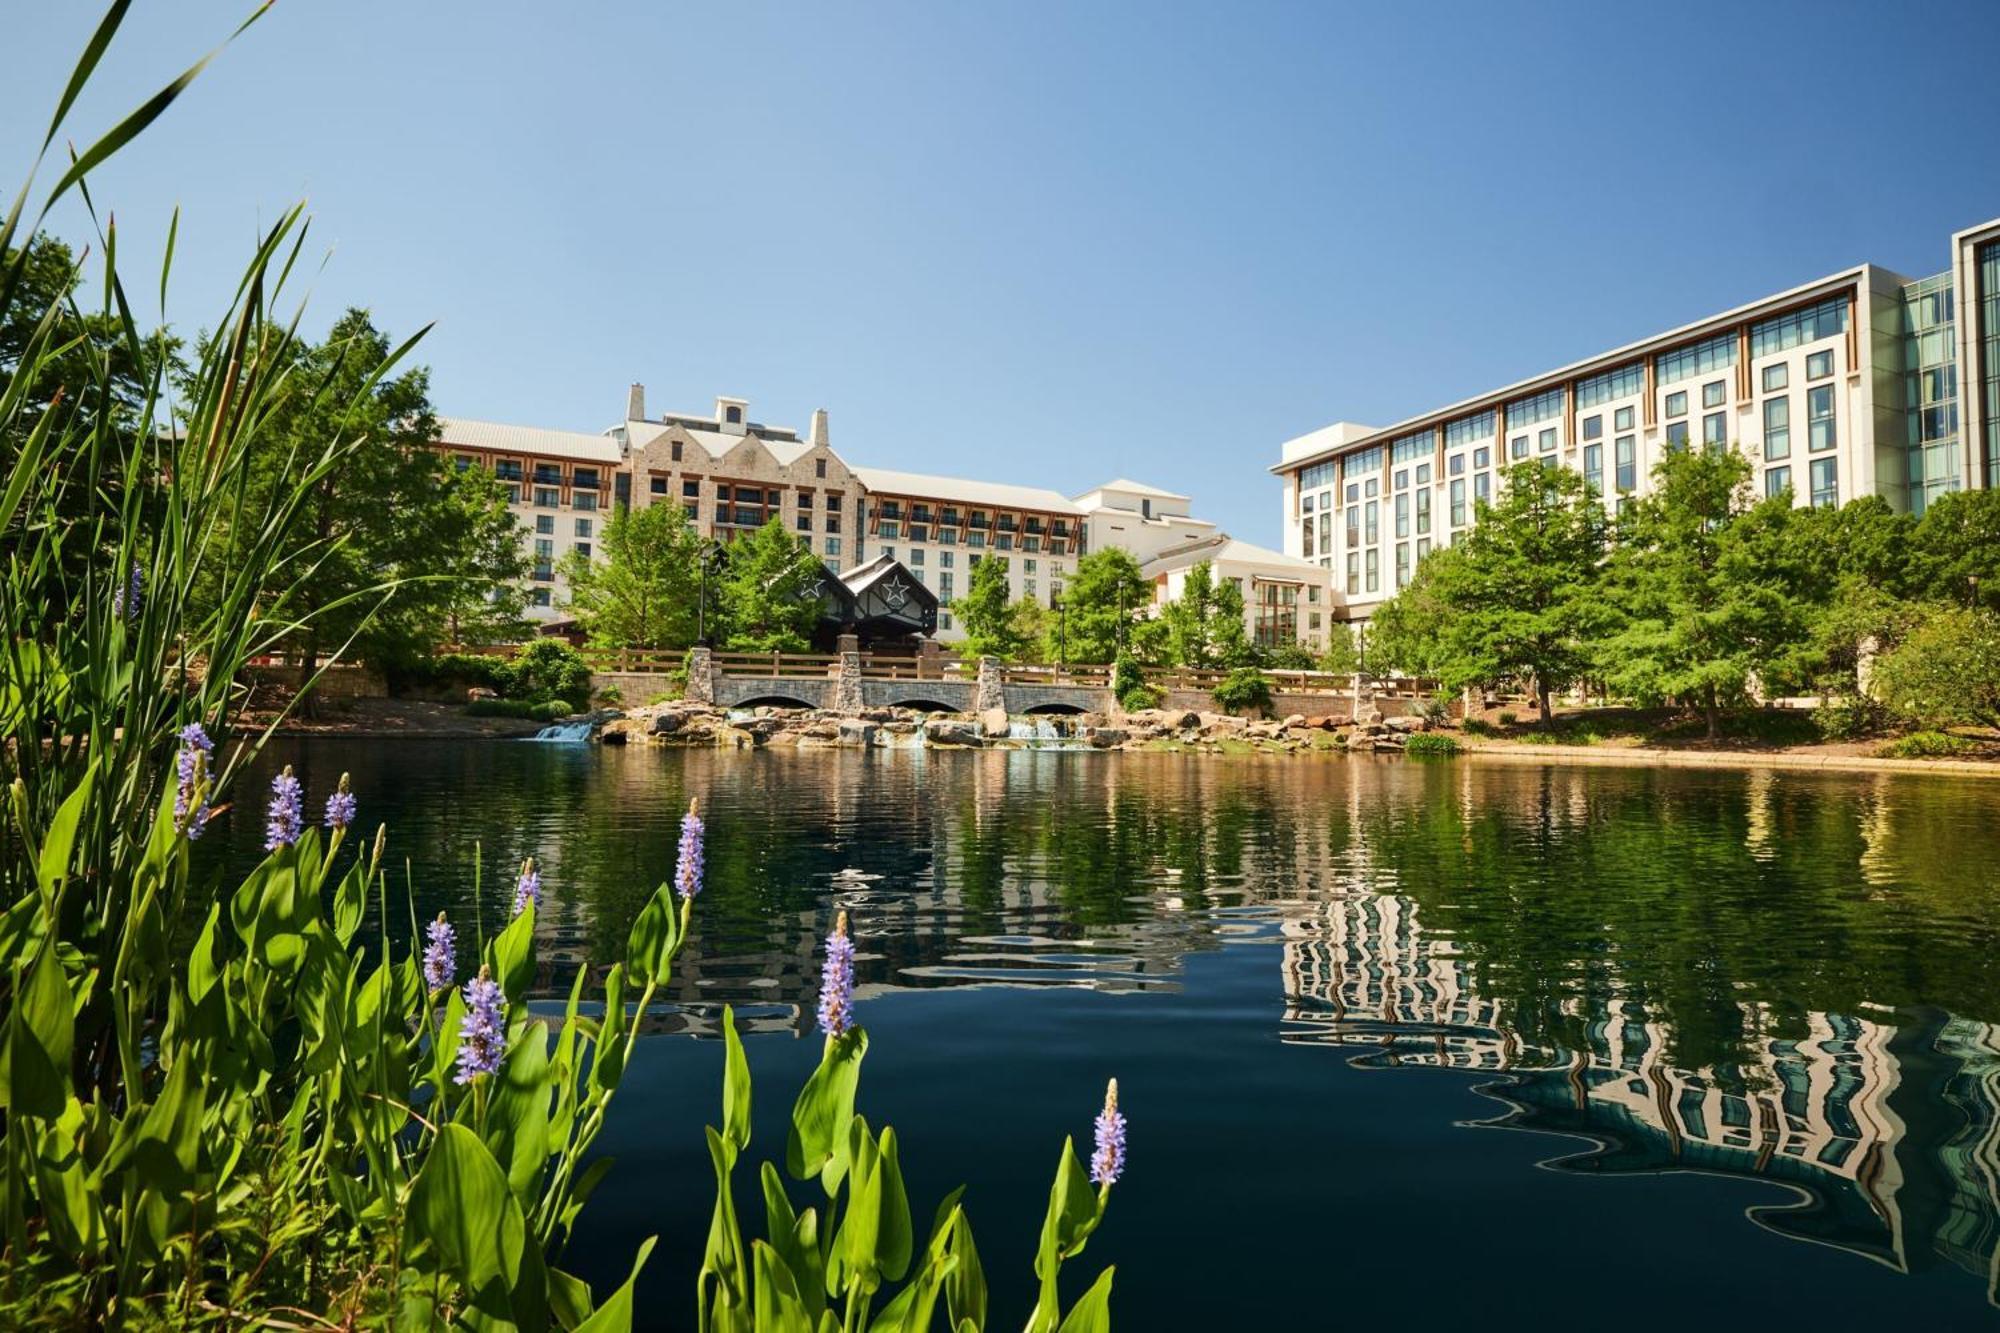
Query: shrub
[1129,685]
[1242,689]
[1141,697]
[549,669]
[1851,717]
[1928,745]
[1292,657]
[1946,671]
[1430,743]
[609,697]
[1434,709]
[1508,717]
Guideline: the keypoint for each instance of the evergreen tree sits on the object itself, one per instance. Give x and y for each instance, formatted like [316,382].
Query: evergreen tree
[769,595]
[642,592]
[1703,587]
[984,613]
[1105,601]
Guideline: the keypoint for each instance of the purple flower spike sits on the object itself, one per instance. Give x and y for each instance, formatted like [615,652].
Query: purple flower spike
[527,889]
[285,819]
[441,955]
[190,773]
[130,600]
[687,875]
[340,806]
[483,1039]
[836,983]
[1108,1162]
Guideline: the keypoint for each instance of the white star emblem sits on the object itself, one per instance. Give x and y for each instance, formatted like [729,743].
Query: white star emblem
[895,592]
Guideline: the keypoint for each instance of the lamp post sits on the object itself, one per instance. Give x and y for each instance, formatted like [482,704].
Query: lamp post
[707,557]
[1121,619]
[1973,580]
[1062,632]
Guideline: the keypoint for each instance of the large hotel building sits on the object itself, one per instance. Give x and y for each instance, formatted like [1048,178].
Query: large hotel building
[1863,383]
[732,475]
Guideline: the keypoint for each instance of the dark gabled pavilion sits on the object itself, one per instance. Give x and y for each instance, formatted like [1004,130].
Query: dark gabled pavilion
[879,602]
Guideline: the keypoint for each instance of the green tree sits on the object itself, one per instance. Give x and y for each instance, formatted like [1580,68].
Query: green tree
[1520,595]
[985,614]
[394,539]
[1946,671]
[1957,548]
[769,596]
[1702,587]
[642,593]
[1341,654]
[1204,625]
[1039,630]
[1105,601]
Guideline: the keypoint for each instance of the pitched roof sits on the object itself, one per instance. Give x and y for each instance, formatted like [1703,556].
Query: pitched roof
[1221,548]
[1137,488]
[528,440]
[716,443]
[990,493]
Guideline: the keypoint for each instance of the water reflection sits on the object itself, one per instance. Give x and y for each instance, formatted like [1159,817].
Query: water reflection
[1785,978]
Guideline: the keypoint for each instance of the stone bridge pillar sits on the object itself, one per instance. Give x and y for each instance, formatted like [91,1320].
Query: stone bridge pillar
[1364,699]
[701,676]
[930,660]
[991,691]
[847,675]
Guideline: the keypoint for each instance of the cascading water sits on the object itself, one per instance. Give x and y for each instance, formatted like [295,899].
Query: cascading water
[569,732]
[1043,733]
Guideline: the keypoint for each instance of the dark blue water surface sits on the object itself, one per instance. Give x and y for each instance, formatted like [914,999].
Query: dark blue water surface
[1445,1043]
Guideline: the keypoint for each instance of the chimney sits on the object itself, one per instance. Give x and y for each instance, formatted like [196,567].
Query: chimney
[817,435]
[732,415]
[635,403]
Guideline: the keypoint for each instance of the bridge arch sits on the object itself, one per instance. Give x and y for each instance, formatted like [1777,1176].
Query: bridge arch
[923,703]
[773,701]
[1056,710]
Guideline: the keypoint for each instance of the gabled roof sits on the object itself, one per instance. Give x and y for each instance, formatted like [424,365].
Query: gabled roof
[1136,488]
[1222,549]
[527,440]
[715,443]
[987,493]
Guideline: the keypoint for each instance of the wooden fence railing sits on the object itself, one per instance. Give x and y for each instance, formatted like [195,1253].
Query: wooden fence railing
[776,666]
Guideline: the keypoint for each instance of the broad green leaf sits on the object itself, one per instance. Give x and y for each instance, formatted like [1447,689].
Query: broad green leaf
[817,1143]
[40,1034]
[898,1238]
[735,1084]
[514,956]
[965,1288]
[724,1255]
[350,902]
[460,1207]
[52,867]
[795,1238]
[1092,1314]
[517,1118]
[569,1299]
[780,1306]
[615,1315]
[649,949]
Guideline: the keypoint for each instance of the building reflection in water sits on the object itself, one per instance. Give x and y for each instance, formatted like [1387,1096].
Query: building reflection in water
[1890,1133]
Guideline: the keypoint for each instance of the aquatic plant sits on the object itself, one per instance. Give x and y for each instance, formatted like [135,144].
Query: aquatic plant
[527,888]
[340,807]
[687,870]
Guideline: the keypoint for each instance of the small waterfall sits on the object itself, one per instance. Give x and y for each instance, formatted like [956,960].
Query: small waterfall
[891,740]
[1043,733]
[571,732]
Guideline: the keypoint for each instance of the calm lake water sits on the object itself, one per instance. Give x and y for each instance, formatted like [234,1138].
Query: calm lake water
[1436,1042]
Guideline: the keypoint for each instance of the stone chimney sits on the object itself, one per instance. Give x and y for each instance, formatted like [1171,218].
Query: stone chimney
[635,403]
[817,435]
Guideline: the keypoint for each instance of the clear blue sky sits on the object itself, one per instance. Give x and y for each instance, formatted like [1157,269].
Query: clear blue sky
[1039,243]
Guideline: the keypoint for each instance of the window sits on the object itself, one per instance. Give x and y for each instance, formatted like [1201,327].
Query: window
[657,485]
[545,524]
[1677,403]
[1677,434]
[1371,522]
[1402,480]
[1820,435]
[1316,476]
[507,470]
[833,499]
[1777,480]
[1620,383]
[548,474]
[1777,377]
[677,451]
[1458,502]
[1547,442]
[1306,505]
[1403,515]
[1482,489]
[1825,483]
[889,551]
[944,587]
[1353,573]
[1819,365]
[1455,465]
[1715,394]
[1423,510]
[586,478]
[1593,428]
[1372,487]
[1517,447]
[582,549]
[692,509]
[1593,468]
[944,559]
[819,467]
[1824,320]
[1481,458]
[585,500]
[916,557]
[888,527]
[1467,429]
[1423,473]
[1702,358]
[833,546]
[1535,410]
[548,497]
[690,489]
[1626,456]
[805,520]
[733,415]
[1715,430]
[1622,419]
[1402,563]
[539,597]
[1777,427]
[583,527]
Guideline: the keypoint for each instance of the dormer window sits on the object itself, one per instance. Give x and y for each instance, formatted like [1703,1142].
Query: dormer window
[733,415]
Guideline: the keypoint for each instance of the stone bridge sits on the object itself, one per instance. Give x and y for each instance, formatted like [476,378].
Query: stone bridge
[848,688]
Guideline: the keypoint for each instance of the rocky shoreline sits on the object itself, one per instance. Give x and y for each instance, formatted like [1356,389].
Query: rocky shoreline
[693,725]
